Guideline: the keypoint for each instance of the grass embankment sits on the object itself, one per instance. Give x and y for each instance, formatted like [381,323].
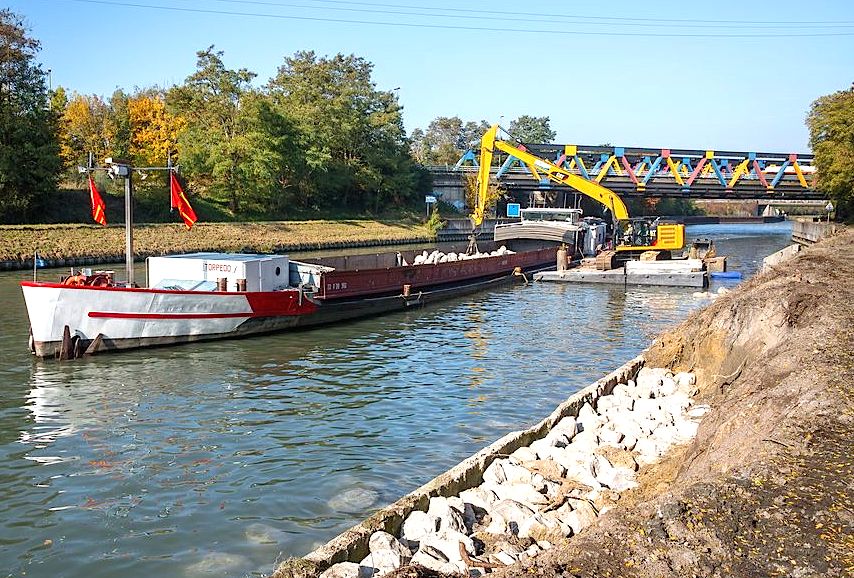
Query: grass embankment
[53,242]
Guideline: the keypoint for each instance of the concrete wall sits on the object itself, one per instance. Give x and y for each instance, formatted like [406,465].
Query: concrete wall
[806,232]
[780,256]
[352,545]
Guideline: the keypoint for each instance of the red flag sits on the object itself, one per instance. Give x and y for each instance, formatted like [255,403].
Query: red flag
[98,206]
[180,202]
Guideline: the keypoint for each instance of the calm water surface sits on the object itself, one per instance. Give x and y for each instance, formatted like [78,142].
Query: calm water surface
[223,458]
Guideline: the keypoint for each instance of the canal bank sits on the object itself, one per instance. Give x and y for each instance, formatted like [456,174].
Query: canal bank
[763,487]
[230,456]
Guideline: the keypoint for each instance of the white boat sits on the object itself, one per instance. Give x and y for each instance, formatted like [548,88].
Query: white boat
[552,225]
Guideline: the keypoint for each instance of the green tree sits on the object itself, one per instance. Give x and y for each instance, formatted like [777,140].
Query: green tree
[119,125]
[216,143]
[446,140]
[831,125]
[532,129]
[29,150]
[354,148]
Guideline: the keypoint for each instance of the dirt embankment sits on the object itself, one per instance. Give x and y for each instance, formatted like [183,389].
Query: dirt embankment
[766,487]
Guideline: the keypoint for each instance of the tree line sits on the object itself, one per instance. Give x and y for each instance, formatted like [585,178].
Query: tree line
[319,138]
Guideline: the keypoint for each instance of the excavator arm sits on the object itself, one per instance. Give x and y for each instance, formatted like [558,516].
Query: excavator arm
[490,143]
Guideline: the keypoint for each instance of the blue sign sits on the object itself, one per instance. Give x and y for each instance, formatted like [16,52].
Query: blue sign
[514,209]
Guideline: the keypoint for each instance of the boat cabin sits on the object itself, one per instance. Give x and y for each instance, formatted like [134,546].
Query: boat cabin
[218,272]
[572,216]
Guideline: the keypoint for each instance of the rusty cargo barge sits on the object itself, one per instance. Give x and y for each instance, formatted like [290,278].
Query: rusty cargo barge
[205,296]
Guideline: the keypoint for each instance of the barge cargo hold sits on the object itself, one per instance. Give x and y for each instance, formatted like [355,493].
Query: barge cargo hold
[205,296]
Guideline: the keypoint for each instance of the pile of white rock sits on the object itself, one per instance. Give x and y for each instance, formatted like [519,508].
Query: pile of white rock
[547,491]
[426,258]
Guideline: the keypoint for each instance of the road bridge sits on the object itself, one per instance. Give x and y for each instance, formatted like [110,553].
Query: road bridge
[651,173]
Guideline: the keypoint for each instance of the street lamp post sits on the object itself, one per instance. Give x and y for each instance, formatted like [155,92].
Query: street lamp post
[122,169]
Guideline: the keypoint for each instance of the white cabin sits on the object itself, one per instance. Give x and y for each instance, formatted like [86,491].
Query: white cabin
[201,271]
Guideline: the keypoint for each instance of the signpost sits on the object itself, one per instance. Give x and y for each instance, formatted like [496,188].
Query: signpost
[430,200]
[514,210]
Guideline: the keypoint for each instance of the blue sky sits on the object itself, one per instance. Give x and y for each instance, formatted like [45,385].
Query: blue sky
[603,72]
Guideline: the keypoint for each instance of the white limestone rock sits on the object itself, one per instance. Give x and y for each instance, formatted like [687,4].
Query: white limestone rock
[434,559]
[419,524]
[519,473]
[567,426]
[676,403]
[648,426]
[685,379]
[347,570]
[646,408]
[583,514]
[519,492]
[628,442]
[449,517]
[665,435]
[686,430]
[479,497]
[541,447]
[648,379]
[698,411]
[505,558]
[386,553]
[448,543]
[648,450]
[588,437]
[623,390]
[494,473]
[524,454]
[506,515]
[668,387]
[558,439]
[544,526]
[610,437]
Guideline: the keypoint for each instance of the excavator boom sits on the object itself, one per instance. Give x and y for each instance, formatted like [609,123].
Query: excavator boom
[490,143]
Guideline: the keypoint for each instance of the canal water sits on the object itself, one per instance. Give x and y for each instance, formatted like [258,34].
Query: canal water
[221,459]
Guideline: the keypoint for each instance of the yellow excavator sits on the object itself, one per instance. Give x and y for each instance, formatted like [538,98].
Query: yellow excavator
[632,236]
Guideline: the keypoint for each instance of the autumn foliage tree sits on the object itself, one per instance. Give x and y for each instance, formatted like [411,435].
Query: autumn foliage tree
[154,130]
[86,128]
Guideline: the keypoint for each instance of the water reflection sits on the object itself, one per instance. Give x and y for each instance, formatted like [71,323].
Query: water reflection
[221,457]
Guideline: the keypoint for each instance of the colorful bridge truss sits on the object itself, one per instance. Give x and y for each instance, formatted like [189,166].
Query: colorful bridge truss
[675,172]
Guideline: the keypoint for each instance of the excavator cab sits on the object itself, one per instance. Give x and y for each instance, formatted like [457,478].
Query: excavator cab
[639,234]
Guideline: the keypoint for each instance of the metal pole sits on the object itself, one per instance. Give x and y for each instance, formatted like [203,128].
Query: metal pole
[129,228]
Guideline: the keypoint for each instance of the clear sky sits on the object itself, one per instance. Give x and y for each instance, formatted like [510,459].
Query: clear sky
[726,75]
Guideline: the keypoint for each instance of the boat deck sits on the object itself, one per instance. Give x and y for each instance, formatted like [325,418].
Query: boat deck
[620,277]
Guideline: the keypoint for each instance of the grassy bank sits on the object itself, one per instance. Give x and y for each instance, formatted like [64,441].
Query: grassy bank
[18,242]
